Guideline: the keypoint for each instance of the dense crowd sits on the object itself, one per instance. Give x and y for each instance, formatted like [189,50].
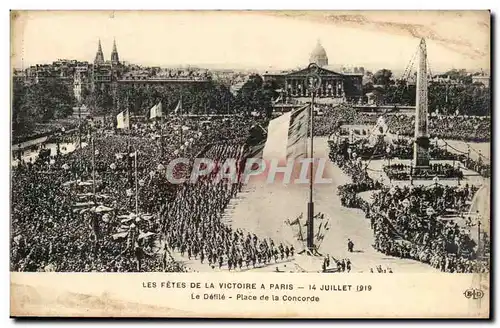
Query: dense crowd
[58,224]
[405,227]
[361,181]
[406,172]
[194,226]
[405,220]
[465,128]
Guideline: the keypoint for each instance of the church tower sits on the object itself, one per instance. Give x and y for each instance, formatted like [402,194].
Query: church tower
[115,60]
[99,57]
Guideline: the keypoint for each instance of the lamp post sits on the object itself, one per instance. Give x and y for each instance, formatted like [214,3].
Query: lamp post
[93,168]
[388,152]
[406,203]
[430,212]
[313,82]
[478,233]
[411,172]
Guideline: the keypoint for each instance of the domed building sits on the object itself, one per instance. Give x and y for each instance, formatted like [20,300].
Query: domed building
[318,55]
[335,87]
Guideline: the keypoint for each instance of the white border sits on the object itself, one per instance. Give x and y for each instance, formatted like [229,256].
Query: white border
[185,4]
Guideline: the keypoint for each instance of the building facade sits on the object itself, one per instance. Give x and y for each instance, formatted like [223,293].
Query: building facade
[335,86]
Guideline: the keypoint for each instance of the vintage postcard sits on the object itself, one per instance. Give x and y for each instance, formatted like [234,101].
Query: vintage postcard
[250,164]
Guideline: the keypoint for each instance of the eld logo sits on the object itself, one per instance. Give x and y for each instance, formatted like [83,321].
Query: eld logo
[474,293]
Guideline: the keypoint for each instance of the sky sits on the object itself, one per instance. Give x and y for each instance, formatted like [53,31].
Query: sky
[253,40]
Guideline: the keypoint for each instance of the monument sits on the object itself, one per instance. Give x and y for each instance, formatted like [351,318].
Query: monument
[421,145]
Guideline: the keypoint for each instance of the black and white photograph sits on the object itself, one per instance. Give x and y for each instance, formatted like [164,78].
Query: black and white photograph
[227,142]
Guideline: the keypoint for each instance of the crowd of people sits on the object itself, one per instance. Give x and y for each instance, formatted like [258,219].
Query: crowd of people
[63,221]
[404,226]
[402,171]
[464,128]
[194,225]
[405,220]
[361,181]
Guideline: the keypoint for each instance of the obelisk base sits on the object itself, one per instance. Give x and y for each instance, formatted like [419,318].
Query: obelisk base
[421,152]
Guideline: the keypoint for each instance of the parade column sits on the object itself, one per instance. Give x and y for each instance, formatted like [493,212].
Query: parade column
[421,145]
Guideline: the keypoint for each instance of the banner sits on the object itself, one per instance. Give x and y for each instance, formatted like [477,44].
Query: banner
[123,120]
[178,108]
[285,137]
[156,111]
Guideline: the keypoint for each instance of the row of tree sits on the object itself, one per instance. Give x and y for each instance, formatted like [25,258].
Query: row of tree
[448,99]
[207,98]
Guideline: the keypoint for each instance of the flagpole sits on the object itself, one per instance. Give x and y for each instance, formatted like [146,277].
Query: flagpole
[310,205]
[136,186]
[313,81]
[182,121]
[161,132]
[93,167]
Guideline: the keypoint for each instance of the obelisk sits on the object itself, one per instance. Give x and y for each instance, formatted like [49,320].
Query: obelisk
[421,145]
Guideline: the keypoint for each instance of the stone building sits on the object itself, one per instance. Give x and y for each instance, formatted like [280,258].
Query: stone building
[335,87]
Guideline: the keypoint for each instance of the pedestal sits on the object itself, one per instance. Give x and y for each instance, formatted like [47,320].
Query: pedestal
[421,152]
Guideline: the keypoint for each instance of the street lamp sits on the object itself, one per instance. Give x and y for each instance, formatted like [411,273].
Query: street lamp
[411,172]
[406,203]
[313,82]
[478,232]
[388,151]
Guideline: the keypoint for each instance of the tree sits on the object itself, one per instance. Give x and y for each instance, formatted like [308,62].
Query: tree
[39,103]
[255,95]
[18,109]
[367,78]
[383,77]
[196,98]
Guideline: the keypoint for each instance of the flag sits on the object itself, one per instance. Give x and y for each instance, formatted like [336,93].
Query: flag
[297,133]
[300,235]
[297,220]
[178,108]
[156,111]
[319,229]
[123,120]
[283,138]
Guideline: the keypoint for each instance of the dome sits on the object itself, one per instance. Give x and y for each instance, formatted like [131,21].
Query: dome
[318,55]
